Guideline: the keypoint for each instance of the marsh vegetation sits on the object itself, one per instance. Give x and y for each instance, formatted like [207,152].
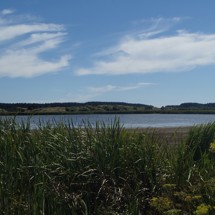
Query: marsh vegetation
[105,169]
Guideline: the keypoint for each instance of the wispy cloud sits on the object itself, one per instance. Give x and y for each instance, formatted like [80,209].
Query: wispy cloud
[159,22]
[6,12]
[150,52]
[110,88]
[91,93]
[155,26]
[23,43]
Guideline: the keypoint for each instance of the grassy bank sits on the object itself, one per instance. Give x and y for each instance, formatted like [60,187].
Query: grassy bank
[105,170]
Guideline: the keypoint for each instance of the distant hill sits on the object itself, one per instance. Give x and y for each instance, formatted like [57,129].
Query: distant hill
[193,106]
[73,108]
[97,107]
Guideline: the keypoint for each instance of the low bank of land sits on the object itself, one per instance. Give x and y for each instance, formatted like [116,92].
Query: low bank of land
[106,170]
[102,108]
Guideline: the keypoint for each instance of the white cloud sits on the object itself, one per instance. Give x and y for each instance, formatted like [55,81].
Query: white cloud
[28,65]
[142,53]
[92,93]
[23,43]
[13,31]
[6,12]
[110,88]
[41,37]
[159,22]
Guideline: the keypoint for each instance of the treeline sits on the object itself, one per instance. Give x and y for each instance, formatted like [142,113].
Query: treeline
[118,103]
[32,106]
[102,107]
[191,106]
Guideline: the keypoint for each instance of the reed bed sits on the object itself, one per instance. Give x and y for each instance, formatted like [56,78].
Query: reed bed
[104,169]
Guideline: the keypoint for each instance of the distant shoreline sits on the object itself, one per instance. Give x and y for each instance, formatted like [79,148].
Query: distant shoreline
[71,108]
[110,112]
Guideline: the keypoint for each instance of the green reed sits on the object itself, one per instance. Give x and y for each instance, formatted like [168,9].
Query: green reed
[103,169]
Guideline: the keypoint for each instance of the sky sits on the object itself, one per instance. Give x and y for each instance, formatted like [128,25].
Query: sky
[138,51]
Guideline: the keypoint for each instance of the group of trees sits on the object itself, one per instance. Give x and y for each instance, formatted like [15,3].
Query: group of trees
[20,107]
[191,106]
[103,107]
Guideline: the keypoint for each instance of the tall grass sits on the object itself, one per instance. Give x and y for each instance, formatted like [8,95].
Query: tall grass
[104,169]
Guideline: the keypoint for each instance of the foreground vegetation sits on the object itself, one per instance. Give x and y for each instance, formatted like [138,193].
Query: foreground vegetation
[104,169]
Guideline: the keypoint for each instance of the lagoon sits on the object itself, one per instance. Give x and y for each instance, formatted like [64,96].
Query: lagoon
[127,120]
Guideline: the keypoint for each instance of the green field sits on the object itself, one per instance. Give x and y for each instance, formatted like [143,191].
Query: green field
[105,170]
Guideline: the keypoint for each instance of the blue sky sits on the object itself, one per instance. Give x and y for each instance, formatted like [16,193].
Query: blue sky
[139,51]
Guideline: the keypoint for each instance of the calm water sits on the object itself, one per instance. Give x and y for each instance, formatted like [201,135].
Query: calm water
[127,120]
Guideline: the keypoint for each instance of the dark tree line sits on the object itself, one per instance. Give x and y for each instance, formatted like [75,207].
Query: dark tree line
[32,106]
[192,106]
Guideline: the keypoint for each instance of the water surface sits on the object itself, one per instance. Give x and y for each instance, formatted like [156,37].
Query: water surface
[127,120]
